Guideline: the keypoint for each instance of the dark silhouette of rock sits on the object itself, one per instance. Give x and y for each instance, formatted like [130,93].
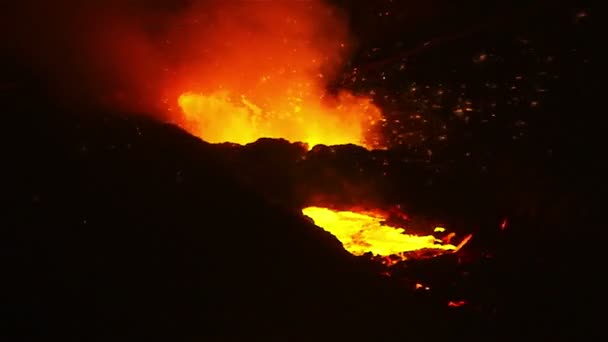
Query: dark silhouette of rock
[123,228]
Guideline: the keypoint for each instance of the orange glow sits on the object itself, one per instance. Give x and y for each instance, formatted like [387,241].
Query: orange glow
[366,232]
[218,118]
[463,242]
[419,286]
[448,238]
[263,72]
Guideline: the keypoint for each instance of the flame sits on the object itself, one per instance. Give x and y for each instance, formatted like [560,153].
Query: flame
[362,233]
[219,117]
[264,72]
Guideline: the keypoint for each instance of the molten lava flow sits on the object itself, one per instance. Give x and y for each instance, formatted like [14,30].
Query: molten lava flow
[264,72]
[362,233]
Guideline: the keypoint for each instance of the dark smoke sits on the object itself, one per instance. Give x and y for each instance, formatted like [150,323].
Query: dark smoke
[93,52]
[129,54]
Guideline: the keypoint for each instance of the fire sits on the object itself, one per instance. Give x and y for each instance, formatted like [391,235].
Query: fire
[264,72]
[220,117]
[366,232]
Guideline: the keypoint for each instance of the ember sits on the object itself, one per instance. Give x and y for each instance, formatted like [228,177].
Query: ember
[367,232]
[503,224]
[456,304]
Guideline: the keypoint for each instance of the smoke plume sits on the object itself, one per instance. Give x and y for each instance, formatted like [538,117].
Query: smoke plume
[139,55]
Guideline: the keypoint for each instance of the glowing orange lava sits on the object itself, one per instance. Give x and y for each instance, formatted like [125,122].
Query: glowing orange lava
[362,233]
[220,117]
[264,72]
